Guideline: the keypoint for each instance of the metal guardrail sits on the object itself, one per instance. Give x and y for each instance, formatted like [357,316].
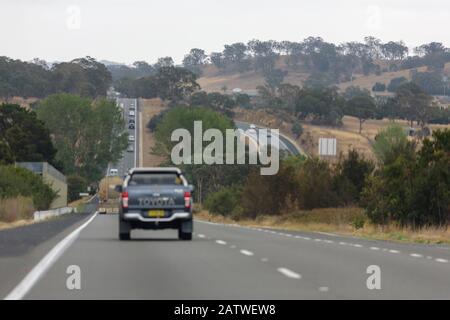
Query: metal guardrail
[42,215]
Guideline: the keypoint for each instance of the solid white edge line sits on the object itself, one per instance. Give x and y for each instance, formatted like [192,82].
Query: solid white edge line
[44,265]
[289,273]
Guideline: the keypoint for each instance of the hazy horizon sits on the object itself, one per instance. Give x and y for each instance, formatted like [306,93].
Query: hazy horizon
[127,31]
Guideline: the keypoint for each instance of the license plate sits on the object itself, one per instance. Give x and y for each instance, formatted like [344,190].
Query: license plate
[156,213]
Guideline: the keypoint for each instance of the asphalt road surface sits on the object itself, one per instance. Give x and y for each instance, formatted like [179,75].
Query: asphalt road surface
[232,262]
[129,159]
[284,143]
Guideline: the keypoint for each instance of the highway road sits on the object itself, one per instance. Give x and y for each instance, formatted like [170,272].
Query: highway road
[221,262]
[233,262]
[284,143]
[129,159]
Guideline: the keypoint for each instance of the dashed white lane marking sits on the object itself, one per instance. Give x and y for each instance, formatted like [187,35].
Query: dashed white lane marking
[247,253]
[289,273]
[324,289]
[264,259]
[42,267]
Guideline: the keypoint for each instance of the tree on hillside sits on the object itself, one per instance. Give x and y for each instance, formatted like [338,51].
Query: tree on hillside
[274,78]
[83,76]
[218,59]
[235,57]
[194,60]
[87,134]
[414,103]
[394,50]
[164,62]
[23,137]
[362,107]
[264,53]
[175,84]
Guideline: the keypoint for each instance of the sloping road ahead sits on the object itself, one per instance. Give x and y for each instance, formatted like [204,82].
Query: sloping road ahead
[232,262]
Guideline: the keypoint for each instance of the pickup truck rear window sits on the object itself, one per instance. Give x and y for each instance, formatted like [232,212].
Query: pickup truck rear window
[139,179]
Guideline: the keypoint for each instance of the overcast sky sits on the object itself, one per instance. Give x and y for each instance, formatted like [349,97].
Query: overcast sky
[130,30]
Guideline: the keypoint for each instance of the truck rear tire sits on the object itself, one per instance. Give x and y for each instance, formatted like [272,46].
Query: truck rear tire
[124,236]
[184,235]
[124,230]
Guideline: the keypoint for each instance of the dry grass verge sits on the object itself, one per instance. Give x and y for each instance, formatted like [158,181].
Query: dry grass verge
[341,221]
[15,212]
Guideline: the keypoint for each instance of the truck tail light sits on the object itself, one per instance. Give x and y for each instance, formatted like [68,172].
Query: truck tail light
[187,199]
[124,199]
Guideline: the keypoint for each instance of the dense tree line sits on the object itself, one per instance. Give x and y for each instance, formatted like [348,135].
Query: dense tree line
[83,76]
[320,58]
[168,83]
[408,186]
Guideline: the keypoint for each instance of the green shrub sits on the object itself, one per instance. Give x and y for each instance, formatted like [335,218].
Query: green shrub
[223,202]
[358,222]
[16,182]
[75,185]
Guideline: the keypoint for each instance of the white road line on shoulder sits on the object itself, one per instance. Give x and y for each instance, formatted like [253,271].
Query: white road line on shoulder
[246,252]
[324,289]
[441,260]
[394,251]
[289,273]
[201,235]
[233,247]
[44,265]
[264,259]
[374,248]
[221,242]
[416,255]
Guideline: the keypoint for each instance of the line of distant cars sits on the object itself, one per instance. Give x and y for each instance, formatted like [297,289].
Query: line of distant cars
[131,126]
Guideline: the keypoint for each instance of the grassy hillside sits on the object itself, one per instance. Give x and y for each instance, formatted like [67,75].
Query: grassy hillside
[214,80]
[348,136]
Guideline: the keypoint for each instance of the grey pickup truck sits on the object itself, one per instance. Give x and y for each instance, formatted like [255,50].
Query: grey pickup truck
[155,198]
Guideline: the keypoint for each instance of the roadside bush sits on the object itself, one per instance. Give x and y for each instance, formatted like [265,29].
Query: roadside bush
[75,185]
[13,209]
[409,188]
[223,202]
[351,174]
[16,182]
[315,185]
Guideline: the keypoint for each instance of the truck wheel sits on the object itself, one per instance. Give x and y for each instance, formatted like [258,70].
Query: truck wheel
[124,236]
[124,230]
[184,235]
